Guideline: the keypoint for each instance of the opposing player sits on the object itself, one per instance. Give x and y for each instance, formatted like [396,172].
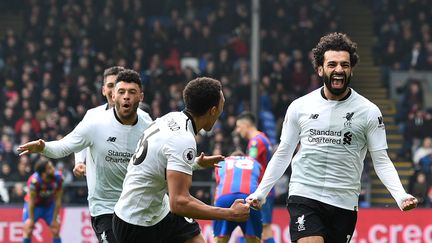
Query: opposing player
[109,79]
[111,137]
[236,178]
[163,165]
[43,200]
[260,148]
[335,127]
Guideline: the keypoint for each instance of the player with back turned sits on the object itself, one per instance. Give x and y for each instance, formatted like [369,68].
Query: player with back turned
[162,165]
[260,148]
[236,177]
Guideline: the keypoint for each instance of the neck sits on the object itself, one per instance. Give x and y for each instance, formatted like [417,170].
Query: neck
[330,96]
[193,120]
[132,120]
[253,133]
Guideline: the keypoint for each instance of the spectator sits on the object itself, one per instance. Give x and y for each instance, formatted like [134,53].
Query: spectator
[23,170]
[425,149]
[18,192]
[420,189]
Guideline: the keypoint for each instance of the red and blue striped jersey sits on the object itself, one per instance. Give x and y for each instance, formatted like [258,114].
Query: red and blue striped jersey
[260,148]
[237,174]
[45,190]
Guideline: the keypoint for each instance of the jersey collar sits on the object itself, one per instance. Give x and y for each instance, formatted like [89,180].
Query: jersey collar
[344,98]
[192,121]
[118,118]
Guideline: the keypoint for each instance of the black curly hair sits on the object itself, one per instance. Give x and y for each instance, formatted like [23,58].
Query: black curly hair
[129,76]
[201,94]
[334,42]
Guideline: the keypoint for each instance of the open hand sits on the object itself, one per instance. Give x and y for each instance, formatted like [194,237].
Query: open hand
[36,146]
[209,161]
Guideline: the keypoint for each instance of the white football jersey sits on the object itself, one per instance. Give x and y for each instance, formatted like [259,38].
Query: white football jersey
[334,136]
[168,144]
[81,155]
[111,145]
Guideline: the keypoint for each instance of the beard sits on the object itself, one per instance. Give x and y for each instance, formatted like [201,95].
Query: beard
[336,91]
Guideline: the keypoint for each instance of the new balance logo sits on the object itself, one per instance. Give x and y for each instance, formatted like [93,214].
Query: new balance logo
[111,139]
[380,120]
[314,116]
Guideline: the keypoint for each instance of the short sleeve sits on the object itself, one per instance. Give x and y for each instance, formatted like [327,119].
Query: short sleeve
[32,184]
[180,152]
[375,134]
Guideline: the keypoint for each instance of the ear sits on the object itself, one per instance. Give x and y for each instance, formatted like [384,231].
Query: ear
[103,91]
[320,71]
[141,96]
[213,110]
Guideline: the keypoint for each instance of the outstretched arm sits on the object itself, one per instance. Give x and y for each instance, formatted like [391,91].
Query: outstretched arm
[206,161]
[36,146]
[275,169]
[388,175]
[184,204]
[75,141]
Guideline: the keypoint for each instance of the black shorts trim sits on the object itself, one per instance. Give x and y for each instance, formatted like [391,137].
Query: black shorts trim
[171,229]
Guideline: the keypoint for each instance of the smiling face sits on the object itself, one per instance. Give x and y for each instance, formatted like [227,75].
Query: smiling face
[127,97]
[336,72]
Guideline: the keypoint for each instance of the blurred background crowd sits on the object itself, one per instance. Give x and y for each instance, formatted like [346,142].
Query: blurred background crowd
[51,71]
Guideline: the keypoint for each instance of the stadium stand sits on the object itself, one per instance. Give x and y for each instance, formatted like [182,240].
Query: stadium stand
[53,53]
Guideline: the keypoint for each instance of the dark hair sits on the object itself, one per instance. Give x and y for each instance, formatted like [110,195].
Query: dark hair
[41,165]
[201,94]
[247,116]
[114,70]
[237,152]
[334,42]
[129,76]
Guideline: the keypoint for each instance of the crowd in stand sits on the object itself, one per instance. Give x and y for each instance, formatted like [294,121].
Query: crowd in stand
[404,42]
[51,73]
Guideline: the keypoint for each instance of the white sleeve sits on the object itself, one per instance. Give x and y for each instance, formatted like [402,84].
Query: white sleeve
[80,157]
[283,155]
[145,117]
[75,141]
[387,173]
[181,152]
[376,134]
